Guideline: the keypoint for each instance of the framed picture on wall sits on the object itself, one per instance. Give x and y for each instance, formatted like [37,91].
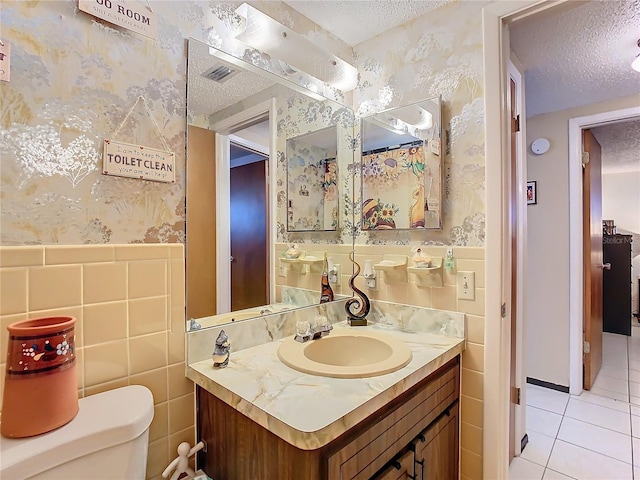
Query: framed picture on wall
[532,193]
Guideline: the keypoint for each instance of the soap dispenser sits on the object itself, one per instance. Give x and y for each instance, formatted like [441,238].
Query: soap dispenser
[449,262]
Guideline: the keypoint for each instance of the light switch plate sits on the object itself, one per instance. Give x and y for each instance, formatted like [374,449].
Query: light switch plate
[466,282]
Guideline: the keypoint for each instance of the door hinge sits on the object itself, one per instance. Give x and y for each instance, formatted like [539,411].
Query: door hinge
[516,394]
[585,158]
[586,347]
[503,310]
[516,123]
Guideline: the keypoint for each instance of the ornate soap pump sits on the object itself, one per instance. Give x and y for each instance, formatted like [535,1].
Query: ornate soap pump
[358,307]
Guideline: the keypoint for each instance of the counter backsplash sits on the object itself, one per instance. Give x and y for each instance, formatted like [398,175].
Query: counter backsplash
[269,328]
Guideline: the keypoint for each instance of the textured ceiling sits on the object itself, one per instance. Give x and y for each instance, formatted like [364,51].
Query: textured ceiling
[582,55]
[620,144]
[355,21]
[206,96]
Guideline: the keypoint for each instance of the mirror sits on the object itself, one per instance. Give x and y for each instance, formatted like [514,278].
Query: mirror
[238,230]
[402,168]
[312,181]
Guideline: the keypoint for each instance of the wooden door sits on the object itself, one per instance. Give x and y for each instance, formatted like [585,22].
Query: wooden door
[592,246]
[200,204]
[249,245]
[437,451]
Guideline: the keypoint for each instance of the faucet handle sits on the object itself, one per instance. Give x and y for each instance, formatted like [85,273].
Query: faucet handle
[302,327]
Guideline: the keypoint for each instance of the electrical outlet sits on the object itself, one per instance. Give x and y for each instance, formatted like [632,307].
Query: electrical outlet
[466,282]
[282,270]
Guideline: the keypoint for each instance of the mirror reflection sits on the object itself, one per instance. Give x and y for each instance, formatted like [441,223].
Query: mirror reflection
[402,168]
[244,125]
[312,181]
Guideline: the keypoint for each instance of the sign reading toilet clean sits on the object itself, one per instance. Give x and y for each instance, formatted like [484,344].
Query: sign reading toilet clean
[130,14]
[135,161]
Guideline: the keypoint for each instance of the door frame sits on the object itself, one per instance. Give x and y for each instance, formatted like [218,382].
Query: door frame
[515,72]
[576,263]
[496,52]
[497,344]
[224,130]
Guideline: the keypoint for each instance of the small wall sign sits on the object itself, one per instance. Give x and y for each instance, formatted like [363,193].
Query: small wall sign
[130,14]
[136,161]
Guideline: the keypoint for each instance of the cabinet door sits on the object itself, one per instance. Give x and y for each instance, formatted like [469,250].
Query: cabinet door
[437,448]
[400,469]
[616,284]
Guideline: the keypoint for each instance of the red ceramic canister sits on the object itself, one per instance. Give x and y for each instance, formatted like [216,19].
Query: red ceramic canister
[40,388]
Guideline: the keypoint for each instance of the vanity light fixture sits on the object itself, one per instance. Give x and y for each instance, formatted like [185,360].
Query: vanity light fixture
[636,62]
[415,116]
[267,35]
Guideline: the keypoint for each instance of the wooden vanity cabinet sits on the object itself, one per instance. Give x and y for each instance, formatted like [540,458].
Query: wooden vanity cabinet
[418,428]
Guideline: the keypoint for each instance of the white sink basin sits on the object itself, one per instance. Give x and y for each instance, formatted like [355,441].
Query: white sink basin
[346,353]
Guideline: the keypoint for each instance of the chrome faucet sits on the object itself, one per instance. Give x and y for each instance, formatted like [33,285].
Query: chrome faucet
[317,328]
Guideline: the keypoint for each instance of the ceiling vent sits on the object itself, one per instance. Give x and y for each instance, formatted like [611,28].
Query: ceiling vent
[220,73]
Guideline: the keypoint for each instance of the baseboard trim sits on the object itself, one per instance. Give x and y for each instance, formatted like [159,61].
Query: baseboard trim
[552,386]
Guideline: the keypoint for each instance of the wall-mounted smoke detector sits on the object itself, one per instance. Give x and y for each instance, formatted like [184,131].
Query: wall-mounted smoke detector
[220,73]
[636,62]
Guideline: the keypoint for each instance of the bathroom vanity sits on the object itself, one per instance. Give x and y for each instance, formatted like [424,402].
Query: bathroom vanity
[262,419]
[414,436]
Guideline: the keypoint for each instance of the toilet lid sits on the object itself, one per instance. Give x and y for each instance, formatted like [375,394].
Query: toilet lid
[104,420]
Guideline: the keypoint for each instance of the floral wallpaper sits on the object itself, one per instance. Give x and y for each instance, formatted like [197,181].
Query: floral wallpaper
[312,191]
[73,80]
[437,54]
[297,116]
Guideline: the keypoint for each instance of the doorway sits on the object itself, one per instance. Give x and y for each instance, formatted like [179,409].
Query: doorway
[253,129]
[577,279]
[497,332]
[248,223]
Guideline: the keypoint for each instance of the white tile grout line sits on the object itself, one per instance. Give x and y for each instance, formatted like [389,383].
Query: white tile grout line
[633,453]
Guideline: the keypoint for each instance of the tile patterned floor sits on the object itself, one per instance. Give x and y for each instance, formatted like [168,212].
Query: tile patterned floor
[595,435]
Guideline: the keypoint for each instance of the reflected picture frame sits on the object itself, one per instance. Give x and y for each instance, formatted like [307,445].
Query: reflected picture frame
[532,193]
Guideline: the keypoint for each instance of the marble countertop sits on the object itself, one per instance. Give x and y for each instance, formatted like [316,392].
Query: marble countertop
[309,411]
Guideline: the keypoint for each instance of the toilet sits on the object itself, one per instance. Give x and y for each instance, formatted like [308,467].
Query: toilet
[108,439]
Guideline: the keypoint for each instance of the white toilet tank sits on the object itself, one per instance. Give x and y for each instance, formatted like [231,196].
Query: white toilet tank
[108,439]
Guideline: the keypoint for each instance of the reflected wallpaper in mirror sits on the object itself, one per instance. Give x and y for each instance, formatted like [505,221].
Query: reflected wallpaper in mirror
[296,124]
[402,168]
[312,181]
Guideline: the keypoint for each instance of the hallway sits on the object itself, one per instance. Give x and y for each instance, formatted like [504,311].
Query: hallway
[592,436]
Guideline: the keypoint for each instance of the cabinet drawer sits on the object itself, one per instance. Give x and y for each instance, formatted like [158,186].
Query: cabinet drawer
[379,443]
[400,469]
